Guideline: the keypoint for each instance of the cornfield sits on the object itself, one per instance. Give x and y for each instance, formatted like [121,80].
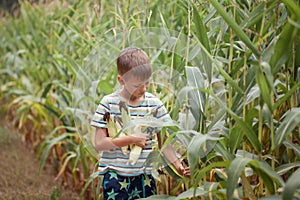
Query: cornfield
[227,71]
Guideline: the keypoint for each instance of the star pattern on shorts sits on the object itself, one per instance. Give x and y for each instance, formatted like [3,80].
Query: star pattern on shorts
[134,193]
[147,182]
[112,195]
[105,183]
[113,175]
[153,191]
[123,184]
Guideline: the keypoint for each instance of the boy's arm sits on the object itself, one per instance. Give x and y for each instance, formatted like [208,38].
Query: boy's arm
[102,142]
[170,154]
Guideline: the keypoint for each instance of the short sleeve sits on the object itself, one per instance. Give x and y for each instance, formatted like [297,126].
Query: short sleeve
[162,113]
[102,108]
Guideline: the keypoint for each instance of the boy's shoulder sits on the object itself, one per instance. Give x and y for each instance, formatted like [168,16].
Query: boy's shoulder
[152,97]
[111,97]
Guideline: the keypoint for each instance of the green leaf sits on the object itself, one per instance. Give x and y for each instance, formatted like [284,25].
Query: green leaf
[235,169]
[287,95]
[196,80]
[201,35]
[199,147]
[255,16]
[47,147]
[291,186]
[272,197]
[235,138]
[235,27]
[88,182]
[282,50]
[290,122]
[212,166]
[263,170]
[46,90]
[282,169]
[269,176]
[69,155]
[105,87]
[172,171]
[247,129]
[223,152]
[264,86]
[294,146]
[160,197]
[217,120]
[191,193]
[196,98]
[293,6]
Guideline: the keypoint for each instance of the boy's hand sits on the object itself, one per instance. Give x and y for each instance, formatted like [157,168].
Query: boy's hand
[140,139]
[185,171]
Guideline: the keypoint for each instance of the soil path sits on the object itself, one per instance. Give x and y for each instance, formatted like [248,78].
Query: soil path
[19,178]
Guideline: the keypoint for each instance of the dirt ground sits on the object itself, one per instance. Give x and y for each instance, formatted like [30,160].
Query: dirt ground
[19,178]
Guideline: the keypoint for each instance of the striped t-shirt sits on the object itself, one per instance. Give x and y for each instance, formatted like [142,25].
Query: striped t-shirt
[115,159]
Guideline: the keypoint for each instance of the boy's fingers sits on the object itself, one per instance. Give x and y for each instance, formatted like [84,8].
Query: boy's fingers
[186,171]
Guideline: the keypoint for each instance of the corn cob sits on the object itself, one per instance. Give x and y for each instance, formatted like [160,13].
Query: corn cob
[135,151]
[134,155]
[113,128]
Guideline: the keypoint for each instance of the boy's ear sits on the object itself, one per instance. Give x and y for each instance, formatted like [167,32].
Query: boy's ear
[120,79]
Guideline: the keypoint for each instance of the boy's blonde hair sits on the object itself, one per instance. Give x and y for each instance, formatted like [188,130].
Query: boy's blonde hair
[134,61]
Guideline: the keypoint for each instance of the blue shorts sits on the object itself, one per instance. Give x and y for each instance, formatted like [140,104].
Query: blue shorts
[122,188]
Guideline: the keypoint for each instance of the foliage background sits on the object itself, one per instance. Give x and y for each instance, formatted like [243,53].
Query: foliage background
[228,71]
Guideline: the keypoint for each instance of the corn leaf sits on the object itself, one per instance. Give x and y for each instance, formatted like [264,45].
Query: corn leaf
[282,169]
[291,186]
[235,169]
[235,138]
[160,197]
[293,6]
[196,98]
[247,129]
[282,50]
[265,90]
[199,147]
[235,27]
[192,193]
[290,122]
[201,35]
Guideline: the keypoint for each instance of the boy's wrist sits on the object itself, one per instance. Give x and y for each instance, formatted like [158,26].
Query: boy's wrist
[177,164]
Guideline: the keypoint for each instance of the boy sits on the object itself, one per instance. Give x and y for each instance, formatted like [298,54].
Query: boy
[123,180]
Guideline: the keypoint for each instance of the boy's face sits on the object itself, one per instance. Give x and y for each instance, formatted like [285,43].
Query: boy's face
[134,87]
